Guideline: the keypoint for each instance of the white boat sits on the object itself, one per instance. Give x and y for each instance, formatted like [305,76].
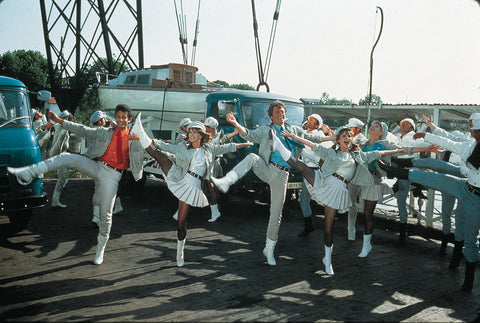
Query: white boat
[164,94]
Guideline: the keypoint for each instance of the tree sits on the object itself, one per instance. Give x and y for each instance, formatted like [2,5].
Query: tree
[325,99]
[240,86]
[28,66]
[375,100]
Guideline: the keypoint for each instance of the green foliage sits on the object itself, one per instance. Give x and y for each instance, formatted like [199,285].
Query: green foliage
[240,86]
[375,100]
[325,99]
[88,104]
[28,66]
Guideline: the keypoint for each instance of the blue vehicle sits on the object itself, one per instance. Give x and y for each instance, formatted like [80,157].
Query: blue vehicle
[18,147]
[251,110]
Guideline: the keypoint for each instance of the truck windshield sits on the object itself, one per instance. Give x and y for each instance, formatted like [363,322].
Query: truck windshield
[13,106]
[256,114]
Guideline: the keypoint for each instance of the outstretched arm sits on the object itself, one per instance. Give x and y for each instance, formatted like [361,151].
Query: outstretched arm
[231,119]
[392,151]
[431,148]
[244,144]
[304,141]
[232,134]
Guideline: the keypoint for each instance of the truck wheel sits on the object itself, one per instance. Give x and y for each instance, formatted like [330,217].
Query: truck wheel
[19,220]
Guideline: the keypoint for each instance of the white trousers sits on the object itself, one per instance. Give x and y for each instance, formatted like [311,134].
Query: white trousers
[106,177]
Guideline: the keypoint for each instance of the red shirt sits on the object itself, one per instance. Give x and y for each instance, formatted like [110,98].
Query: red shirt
[115,157]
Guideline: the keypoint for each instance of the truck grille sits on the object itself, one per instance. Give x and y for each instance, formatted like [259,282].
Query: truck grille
[5,159]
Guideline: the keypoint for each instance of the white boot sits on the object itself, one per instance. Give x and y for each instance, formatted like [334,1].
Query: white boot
[215,213]
[327,260]
[96,215]
[25,175]
[278,146]
[223,184]
[180,246]
[101,243]
[118,206]
[175,216]
[138,130]
[268,251]
[56,200]
[367,245]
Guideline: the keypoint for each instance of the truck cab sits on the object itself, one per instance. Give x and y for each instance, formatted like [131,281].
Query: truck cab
[251,110]
[18,147]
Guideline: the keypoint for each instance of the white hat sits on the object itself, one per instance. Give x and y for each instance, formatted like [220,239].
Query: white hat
[211,122]
[354,122]
[384,128]
[318,117]
[340,129]
[410,121]
[476,124]
[475,115]
[184,122]
[64,114]
[97,115]
[196,124]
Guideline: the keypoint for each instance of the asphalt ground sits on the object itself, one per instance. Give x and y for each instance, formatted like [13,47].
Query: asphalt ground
[47,274]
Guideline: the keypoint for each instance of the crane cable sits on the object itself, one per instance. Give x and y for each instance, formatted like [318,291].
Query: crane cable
[182,30]
[194,50]
[263,73]
[272,38]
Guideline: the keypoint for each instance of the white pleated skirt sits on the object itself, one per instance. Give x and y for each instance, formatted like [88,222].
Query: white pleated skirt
[375,192]
[330,191]
[187,190]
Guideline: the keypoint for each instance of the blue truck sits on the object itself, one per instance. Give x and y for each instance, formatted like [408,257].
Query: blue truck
[18,147]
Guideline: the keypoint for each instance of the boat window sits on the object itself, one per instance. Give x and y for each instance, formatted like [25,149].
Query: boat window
[255,114]
[143,79]
[130,79]
[189,77]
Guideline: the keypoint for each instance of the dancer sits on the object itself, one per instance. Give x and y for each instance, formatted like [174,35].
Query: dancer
[328,186]
[315,126]
[372,194]
[219,138]
[268,165]
[108,157]
[193,161]
[99,119]
[60,144]
[465,189]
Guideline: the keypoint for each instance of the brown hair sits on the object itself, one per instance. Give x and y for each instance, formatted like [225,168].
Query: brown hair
[276,104]
[353,147]
[206,137]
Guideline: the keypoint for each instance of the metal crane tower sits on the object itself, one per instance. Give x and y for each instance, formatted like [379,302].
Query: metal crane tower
[79,40]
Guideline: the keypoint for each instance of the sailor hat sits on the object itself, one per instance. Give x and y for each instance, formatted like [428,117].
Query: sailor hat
[354,122]
[318,117]
[211,122]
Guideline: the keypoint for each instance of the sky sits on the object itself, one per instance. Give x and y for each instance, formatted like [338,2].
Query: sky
[429,50]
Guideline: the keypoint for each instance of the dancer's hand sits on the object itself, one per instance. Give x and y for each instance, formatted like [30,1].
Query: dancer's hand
[435,149]
[287,134]
[231,118]
[133,137]
[419,135]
